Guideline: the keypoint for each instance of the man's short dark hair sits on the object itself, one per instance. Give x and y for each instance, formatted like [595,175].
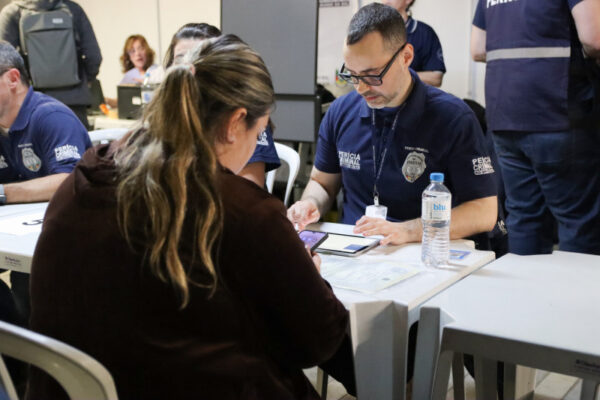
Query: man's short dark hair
[10,58]
[376,17]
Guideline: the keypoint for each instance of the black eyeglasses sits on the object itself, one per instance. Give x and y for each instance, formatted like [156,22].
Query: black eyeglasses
[371,80]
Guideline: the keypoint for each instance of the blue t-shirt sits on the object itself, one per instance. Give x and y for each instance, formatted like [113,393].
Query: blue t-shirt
[265,151]
[435,132]
[531,89]
[428,50]
[46,138]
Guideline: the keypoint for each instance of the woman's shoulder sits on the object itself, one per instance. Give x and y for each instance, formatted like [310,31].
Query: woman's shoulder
[239,189]
[247,201]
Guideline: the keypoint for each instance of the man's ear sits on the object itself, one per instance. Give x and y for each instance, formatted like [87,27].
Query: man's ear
[236,125]
[408,54]
[13,77]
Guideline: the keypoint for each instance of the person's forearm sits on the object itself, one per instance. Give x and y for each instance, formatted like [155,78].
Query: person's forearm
[474,217]
[412,230]
[478,44]
[316,193]
[433,78]
[586,15]
[112,102]
[39,189]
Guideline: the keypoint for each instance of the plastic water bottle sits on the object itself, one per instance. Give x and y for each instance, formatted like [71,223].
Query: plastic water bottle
[435,214]
[147,89]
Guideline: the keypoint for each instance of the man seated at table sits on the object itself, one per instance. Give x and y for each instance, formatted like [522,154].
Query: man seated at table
[41,140]
[383,140]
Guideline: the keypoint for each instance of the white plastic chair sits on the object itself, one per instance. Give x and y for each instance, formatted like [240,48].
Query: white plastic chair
[291,157]
[107,135]
[80,375]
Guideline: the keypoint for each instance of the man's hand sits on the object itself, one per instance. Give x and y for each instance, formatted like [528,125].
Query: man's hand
[393,233]
[302,213]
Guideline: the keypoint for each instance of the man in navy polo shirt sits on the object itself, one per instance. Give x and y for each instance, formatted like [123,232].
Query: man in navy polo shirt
[542,66]
[40,142]
[384,139]
[42,139]
[428,59]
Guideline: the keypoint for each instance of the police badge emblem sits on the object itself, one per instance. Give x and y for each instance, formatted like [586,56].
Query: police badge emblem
[31,161]
[413,166]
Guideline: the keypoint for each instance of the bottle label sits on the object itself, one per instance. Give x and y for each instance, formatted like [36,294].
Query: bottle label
[435,211]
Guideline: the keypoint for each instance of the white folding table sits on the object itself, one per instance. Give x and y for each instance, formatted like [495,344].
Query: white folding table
[380,322]
[540,311]
[20,227]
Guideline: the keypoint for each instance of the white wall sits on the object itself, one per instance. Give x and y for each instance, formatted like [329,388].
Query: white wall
[451,20]
[157,20]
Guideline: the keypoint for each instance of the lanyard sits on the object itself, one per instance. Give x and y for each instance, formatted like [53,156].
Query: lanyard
[377,171]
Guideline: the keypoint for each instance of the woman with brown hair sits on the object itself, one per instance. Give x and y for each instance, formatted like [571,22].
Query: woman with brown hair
[183,279]
[265,156]
[136,60]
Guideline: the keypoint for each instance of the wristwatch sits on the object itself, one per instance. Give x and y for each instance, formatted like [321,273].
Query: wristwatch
[2,196]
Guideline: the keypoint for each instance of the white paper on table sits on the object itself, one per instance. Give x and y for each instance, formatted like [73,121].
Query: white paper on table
[368,275]
[23,224]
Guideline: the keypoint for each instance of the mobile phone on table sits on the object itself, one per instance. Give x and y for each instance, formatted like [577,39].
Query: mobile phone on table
[313,239]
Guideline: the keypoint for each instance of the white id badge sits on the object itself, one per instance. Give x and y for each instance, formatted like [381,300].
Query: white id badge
[376,211]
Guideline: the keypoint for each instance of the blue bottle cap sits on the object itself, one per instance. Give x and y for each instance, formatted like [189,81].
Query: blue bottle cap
[436,177]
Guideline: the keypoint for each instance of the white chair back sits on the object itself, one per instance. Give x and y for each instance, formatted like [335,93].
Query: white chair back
[292,159]
[107,135]
[80,375]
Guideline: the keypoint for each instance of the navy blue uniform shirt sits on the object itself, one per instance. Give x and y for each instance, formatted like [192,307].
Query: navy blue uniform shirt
[46,138]
[534,91]
[265,151]
[428,50]
[436,132]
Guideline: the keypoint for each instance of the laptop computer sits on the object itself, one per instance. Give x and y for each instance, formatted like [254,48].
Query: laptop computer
[129,101]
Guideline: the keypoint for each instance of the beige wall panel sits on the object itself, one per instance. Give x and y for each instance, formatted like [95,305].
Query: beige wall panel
[175,13]
[157,20]
[451,20]
[113,22]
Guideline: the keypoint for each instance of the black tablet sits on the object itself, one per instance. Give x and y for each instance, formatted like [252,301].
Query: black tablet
[312,239]
[347,245]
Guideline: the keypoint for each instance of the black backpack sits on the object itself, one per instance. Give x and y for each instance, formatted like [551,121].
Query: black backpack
[49,47]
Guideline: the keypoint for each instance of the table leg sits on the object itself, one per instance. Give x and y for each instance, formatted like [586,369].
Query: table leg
[458,376]
[322,380]
[588,390]
[486,372]
[431,325]
[379,339]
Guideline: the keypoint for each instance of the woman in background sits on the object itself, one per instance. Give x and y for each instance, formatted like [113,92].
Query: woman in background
[265,156]
[181,278]
[136,60]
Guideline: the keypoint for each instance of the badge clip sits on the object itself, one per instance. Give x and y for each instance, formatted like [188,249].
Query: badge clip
[376,210]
